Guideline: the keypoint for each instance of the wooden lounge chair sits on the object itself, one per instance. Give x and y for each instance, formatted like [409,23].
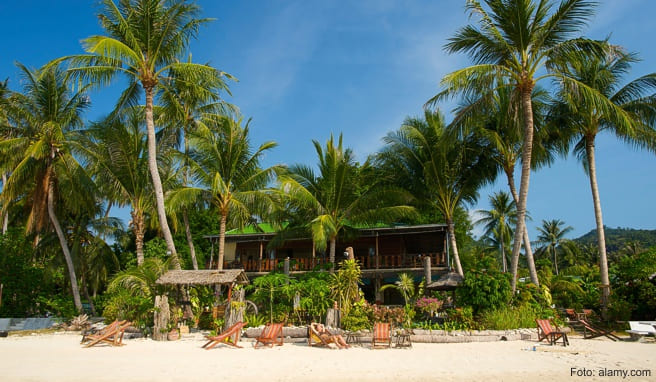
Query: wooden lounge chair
[551,333]
[95,332]
[382,335]
[316,339]
[113,336]
[594,331]
[271,335]
[571,314]
[229,337]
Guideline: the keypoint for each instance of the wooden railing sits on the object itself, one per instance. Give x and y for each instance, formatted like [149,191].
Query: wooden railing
[366,262]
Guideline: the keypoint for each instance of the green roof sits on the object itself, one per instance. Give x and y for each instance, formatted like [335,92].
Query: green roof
[259,228]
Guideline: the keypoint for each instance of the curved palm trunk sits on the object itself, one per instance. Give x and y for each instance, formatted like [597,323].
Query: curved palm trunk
[157,182]
[333,244]
[222,230]
[5,217]
[138,227]
[527,242]
[524,182]
[190,239]
[67,253]
[601,238]
[454,246]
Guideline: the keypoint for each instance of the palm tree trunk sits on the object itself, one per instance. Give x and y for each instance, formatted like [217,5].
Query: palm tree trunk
[527,242]
[503,258]
[601,238]
[5,216]
[185,216]
[332,254]
[139,231]
[527,149]
[64,245]
[85,290]
[222,230]
[157,182]
[454,246]
[190,239]
[555,260]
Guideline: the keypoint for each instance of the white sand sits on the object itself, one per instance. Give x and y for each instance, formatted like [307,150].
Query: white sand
[59,357]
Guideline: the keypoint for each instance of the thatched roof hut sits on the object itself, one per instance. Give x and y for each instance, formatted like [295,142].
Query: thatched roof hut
[449,281]
[204,277]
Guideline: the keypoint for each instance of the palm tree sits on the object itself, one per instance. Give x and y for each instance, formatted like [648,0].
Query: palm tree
[117,155]
[145,40]
[44,171]
[406,286]
[630,117]
[339,198]
[499,221]
[496,118]
[551,237]
[183,109]
[445,172]
[5,133]
[228,174]
[516,40]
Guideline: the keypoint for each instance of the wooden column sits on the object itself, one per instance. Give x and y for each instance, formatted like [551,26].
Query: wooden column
[427,269]
[377,257]
[286,266]
[162,316]
[378,294]
[235,312]
[259,263]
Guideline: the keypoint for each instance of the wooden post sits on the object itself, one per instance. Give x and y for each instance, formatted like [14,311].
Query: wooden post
[333,317]
[377,257]
[211,254]
[259,263]
[379,295]
[351,253]
[427,269]
[286,266]
[1,286]
[235,312]
[162,316]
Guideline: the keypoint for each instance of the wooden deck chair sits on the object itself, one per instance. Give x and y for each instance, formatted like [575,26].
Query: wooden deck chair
[271,335]
[571,314]
[551,333]
[315,339]
[87,334]
[594,331]
[114,336]
[229,337]
[382,335]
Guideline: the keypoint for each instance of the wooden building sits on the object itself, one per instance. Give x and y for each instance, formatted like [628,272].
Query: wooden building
[383,253]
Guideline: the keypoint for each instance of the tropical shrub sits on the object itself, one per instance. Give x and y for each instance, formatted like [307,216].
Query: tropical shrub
[272,290]
[359,317]
[482,290]
[634,282]
[509,317]
[428,305]
[345,285]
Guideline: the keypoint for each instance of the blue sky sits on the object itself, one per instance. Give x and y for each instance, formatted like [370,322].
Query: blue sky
[307,69]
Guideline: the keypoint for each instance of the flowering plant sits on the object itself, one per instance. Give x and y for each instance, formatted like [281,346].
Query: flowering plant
[428,305]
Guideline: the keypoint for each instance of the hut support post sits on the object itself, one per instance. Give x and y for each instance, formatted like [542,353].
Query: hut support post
[235,309]
[427,270]
[162,316]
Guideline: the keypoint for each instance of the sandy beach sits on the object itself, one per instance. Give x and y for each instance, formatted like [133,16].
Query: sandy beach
[59,357]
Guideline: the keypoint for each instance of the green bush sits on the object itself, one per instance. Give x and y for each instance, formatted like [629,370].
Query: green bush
[482,290]
[510,317]
[123,305]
